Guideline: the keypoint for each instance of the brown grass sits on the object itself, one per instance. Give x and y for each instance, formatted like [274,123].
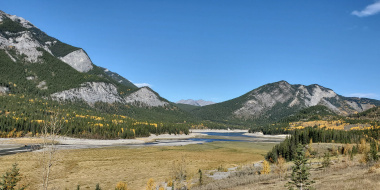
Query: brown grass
[343,174]
[108,166]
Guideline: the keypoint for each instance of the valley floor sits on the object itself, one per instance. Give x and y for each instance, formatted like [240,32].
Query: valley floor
[134,165]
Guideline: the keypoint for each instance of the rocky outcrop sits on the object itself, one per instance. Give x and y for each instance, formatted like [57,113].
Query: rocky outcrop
[24,43]
[4,90]
[90,92]
[145,97]
[78,60]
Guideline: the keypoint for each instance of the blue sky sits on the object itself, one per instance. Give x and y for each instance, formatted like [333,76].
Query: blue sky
[218,50]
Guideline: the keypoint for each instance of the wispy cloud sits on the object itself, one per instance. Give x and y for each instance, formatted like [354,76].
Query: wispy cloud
[142,84]
[370,10]
[364,95]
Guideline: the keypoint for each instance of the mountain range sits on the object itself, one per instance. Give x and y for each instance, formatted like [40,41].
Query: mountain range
[195,102]
[280,99]
[34,63]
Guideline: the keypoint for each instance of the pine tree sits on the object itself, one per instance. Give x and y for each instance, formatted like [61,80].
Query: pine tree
[200,177]
[98,187]
[10,179]
[300,175]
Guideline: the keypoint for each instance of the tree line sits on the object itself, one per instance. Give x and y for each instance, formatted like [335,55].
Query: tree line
[287,148]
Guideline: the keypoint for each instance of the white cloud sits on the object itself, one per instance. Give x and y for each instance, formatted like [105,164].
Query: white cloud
[370,10]
[364,95]
[142,84]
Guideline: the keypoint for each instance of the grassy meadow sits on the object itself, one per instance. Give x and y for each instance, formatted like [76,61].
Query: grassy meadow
[134,165]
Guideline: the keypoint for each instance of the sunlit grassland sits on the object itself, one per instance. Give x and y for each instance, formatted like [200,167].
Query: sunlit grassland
[107,166]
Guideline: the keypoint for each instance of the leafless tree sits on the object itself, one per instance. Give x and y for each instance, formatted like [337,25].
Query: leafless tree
[50,130]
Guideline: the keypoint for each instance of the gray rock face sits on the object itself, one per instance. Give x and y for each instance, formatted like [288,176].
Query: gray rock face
[91,92]
[262,101]
[78,60]
[145,97]
[42,85]
[4,90]
[195,102]
[24,43]
[295,97]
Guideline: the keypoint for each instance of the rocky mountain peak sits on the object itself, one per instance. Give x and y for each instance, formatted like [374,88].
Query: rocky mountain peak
[15,18]
[18,34]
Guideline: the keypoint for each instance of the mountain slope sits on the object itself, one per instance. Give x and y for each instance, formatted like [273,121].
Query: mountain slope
[35,63]
[119,78]
[280,99]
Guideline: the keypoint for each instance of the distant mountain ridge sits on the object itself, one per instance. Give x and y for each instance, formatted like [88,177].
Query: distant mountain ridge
[280,99]
[195,102]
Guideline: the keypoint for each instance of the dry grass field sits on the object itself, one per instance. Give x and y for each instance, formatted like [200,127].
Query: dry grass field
[339,176]
[343,174]
[107,166]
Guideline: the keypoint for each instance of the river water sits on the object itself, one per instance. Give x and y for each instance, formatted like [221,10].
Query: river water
[203,137]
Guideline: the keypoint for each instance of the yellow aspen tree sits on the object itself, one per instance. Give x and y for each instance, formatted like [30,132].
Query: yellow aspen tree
[266,168]
[150,185]
[311,145]
[121,186]
[362,146]
[347,149]
[280,166]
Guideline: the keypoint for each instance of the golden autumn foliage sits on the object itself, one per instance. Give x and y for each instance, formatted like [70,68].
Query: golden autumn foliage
[280,167]
[266,168]
[150,185]
[121,186]
[333,124]
[363,146]
[170,183]
[347,149]
[11,134]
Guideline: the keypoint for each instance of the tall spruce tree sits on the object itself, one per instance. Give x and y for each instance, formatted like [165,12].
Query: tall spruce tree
[300,175]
